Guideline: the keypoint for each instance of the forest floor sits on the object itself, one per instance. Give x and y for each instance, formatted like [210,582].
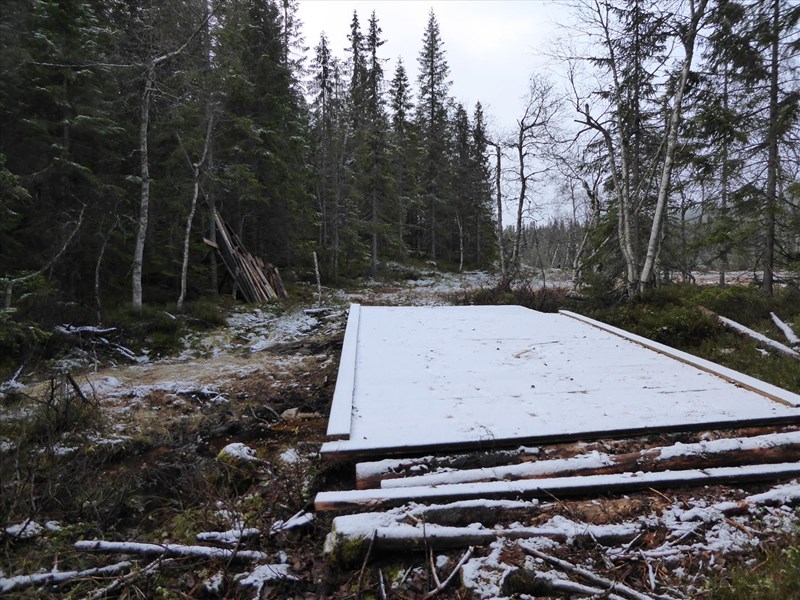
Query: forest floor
[212,454]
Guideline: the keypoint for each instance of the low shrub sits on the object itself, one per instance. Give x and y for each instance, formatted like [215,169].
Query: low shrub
[775,577]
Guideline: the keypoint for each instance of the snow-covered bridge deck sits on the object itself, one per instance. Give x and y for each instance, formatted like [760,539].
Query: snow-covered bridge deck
[417,379]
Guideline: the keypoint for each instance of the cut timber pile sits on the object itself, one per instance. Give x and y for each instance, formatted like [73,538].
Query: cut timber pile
[485,487]
[258,280]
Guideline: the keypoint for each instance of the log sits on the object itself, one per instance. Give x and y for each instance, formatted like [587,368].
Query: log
[352,535]
[370,474]
[19,582]
[559,487]
[769,448]
[787,331]
[169,550]
[760,337]
[486,512]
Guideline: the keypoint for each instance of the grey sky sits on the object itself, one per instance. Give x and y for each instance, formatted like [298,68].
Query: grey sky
[492,46]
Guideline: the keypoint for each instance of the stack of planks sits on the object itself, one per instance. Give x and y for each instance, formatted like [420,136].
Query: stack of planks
[259,281]
[435,500]
[523,474]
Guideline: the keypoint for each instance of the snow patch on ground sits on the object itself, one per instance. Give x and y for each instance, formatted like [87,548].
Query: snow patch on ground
[240,451]
[264,574]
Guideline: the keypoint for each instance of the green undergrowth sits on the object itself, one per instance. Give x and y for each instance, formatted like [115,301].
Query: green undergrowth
[674,315]
[549,299]
[776,576]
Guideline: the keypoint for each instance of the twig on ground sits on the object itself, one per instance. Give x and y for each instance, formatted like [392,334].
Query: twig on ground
[619,588]
[433,568]
[364,564]
[125,579]
[440,588]
[383,586]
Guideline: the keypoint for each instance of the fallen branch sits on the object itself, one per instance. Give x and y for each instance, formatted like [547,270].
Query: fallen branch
[19,582]
[440,587]
[791,336]
[526,581]
[739,328]
[568,567]
[11,384]
[168,550]
[153,567]
[364,564]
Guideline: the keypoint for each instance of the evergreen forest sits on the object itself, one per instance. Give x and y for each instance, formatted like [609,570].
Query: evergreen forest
[670,145]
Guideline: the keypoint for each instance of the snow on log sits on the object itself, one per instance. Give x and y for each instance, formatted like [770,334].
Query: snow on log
[791,336]
[487,512]
[370,474]
[770,448]
[168,550]
[760,337]
[552,486]
[18,582]
[352,535]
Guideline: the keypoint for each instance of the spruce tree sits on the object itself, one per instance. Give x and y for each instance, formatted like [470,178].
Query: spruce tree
[431,117]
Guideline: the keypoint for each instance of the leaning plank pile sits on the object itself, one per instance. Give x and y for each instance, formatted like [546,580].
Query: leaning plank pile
[258,280]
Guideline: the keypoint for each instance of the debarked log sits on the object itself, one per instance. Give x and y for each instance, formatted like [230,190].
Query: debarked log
[370,474]
[352,535]
[559,487]
[727,452]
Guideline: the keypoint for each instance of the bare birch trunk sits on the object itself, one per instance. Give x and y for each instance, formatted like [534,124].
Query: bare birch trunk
[460,244]
[500,245]
[523,190]
[654,243]
[196,171]
[144,203]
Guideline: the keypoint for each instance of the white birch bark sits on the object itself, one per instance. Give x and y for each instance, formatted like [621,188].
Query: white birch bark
[654,243]
[196,171]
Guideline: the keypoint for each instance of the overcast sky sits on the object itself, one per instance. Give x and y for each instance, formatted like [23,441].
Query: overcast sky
[492,46]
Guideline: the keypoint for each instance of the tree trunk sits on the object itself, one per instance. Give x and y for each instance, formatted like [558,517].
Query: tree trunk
[724,183]
[144,203]
[500,245]
[460,244]
[772,157]
[523,190]
[196,171]
[654,243]
[373,265]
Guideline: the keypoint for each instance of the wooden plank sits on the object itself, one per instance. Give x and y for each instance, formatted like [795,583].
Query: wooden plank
[336,449]
[750,383]
[726,452]
[342,407]
[443,379]
[370,474]
[558,487]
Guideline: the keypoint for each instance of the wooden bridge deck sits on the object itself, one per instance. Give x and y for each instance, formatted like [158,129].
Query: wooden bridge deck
[419,379]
